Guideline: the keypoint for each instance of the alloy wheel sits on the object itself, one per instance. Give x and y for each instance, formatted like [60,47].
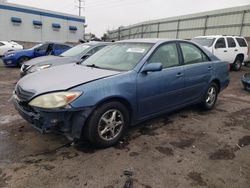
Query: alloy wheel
[110,124]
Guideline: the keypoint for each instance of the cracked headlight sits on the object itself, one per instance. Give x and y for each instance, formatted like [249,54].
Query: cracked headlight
[38,68]
[55,100]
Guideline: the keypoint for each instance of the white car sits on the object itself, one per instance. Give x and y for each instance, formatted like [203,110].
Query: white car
[233,49]
[9,46]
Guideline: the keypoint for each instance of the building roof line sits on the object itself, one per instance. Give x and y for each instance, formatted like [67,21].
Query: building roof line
[40,12]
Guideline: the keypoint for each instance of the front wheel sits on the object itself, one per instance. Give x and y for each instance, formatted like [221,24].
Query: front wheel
[210,97]
[22,60]
[107,124]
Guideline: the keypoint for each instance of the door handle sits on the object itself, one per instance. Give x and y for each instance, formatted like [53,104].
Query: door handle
[225,50]
[210,67]
[179,74]
[236,50]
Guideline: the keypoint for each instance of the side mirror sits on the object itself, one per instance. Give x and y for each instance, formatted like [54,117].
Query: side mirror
[152,67]
[86,56]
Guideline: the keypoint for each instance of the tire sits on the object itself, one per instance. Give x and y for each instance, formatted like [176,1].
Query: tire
[22,60]
[210,97]
[107,124]
[237,64]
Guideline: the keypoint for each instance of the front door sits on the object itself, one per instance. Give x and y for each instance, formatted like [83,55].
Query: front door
[158,91]
[41,51]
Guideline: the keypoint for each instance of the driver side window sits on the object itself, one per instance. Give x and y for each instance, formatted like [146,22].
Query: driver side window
[44,47]
[166,54]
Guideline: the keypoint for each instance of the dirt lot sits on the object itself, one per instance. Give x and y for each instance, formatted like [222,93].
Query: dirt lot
[188,148]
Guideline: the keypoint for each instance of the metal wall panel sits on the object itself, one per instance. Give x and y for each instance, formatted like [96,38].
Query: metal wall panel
[224,31]
[224,20]
[219,22]
[247,17]
[169,34]
[196,23]
[246,31]
[190,34]
[150,28]
[150,35]
[168,26]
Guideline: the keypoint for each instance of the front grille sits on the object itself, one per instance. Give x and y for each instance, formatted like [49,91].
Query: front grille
[23,95]
[247,76]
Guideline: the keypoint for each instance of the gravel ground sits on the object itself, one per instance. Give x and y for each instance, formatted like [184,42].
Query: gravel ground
[187,148]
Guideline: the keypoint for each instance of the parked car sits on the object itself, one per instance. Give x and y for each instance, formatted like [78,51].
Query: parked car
[233,49]
[73,55]
[123,84]
[9,46]
[17,58]
[246,81]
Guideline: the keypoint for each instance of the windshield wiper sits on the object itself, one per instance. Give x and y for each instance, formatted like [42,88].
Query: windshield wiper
[93,65]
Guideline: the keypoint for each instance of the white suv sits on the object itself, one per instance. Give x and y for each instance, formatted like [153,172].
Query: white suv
[233,49]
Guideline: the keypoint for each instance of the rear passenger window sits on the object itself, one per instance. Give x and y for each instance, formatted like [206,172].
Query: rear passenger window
[167,55]
[192,54]
[231,43]
[221,43]
[96,49]
[241,42]
[60,46]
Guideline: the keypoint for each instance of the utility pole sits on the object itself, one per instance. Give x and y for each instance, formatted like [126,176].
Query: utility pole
[81,4]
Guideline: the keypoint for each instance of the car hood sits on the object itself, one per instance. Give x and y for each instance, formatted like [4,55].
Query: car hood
[50,60]
[19,51]
[61,78]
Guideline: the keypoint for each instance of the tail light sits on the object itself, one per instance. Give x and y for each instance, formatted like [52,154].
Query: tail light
[229,67]
[248,50]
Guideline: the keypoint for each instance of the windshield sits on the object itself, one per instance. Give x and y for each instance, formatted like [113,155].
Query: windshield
[120,56]
[204,41]
[75,50]
[36,46]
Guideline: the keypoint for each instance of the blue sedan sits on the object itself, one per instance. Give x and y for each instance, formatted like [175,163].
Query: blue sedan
[121,85]
[17,58]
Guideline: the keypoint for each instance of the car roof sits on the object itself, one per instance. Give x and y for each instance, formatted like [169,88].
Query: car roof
[216,36]
[94,43]
[60,43]
[147,40]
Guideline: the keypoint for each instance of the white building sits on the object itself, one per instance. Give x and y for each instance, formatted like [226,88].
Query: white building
[26,24]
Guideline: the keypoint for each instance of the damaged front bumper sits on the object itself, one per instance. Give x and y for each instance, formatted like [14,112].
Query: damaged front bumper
[70,122]
[246,81]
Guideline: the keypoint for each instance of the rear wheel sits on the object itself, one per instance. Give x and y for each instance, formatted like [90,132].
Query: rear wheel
[107,124]
[237,64]
[210,97]
[22,60]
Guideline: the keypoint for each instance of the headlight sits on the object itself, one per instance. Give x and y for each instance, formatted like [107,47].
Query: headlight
[38,68]
[55,100]
[9,55]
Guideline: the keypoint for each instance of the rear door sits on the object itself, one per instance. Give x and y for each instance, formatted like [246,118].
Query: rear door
[220,49]
[197,71]
[232,50]
[158,91]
